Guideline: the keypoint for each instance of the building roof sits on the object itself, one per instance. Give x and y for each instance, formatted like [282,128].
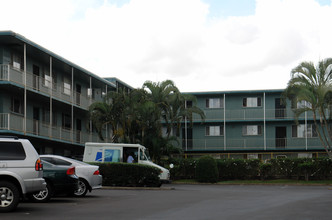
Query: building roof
[236,92]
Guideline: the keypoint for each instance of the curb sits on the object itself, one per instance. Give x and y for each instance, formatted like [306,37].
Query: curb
[135,188]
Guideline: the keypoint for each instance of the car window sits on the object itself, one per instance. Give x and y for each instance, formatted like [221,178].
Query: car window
[46,164]
[48,159]
[58,161]
[12,151]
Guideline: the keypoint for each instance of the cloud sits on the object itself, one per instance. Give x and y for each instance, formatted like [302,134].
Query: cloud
[155,40]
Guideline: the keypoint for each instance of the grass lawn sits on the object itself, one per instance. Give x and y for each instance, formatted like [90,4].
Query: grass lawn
[261,182]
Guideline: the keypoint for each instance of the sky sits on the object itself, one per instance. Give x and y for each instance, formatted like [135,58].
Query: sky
[201,45]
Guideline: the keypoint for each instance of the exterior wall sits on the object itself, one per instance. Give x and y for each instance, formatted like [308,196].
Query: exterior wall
[275,122]
[54,87]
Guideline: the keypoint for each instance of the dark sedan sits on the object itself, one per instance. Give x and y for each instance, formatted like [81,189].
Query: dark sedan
[60,180]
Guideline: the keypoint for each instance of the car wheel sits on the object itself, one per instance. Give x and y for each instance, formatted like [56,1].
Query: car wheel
[9,196]
[43,195]
[82,188]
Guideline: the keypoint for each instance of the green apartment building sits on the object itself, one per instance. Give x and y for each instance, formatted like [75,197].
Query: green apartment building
[45,98]
[250,124]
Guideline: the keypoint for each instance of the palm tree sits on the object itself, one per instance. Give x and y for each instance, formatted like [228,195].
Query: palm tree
[181,111]
[112,110]
[160,94]
[313,85]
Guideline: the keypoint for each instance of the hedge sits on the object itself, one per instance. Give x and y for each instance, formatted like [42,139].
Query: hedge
[237,169]
[124,174]
[206,170]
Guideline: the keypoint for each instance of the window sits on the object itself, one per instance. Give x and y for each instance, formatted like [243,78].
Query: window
[214,103]
[214,130]
[46,116]
[252,102]
[89,91]
[11,151]
[299,131]
[66,121]
[16,105]
[66,86]
[303,104]
[48,81]
[111,155]
[252,130]
[189,104]
[17,61]
[56,161]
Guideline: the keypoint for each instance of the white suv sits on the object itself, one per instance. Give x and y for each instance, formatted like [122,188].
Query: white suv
[21,171]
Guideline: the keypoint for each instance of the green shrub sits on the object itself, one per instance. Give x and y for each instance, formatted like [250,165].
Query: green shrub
[125,174]
[265,171]
[206,170]
[230,169]
[184,168]
[306,169]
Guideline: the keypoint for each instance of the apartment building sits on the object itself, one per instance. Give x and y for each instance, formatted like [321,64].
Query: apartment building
[45,97]
[250,124]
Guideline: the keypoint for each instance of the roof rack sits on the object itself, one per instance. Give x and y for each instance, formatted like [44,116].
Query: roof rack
[7,136]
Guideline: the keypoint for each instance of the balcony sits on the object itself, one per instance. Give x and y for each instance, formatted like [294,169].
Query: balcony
[251,144]
[248,114]
[12,122]
[44,86]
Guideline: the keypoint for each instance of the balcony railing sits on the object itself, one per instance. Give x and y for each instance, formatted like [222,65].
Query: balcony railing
[250,143]
[44,86]
[13,122]
[248,114]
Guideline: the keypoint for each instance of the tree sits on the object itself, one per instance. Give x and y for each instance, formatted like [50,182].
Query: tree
[111,111]
[138,116]
[313,85]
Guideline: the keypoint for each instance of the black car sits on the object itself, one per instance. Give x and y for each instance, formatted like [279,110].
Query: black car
[60,180]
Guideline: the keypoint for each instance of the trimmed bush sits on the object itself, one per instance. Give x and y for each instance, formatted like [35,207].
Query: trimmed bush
[265,171]
[231,169]
[125,174]
[306,169]
[206,170]
[183,168]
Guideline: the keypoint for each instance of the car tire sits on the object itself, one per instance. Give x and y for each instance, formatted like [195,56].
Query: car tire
[9,196]
[82,189]
[42,196]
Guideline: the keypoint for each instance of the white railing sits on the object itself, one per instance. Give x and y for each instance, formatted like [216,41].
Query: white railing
[44,86]
[248,114]
[13,122]
[249,143]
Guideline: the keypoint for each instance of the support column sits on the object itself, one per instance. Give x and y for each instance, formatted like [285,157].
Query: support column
[264,123]
[225,147]
[90,102]
[51,101]
[72,105]
[25,90]
[185,127]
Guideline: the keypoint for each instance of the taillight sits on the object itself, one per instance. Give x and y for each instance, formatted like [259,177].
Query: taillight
[96,172]
[71,171]
[38,165]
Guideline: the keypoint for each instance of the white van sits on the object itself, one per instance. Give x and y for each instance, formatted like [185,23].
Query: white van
[119,152]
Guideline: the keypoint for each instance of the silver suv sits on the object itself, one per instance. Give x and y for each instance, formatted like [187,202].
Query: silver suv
[21,171]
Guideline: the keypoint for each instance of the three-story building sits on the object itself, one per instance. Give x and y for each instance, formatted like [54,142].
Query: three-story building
[46,97]
[250,124]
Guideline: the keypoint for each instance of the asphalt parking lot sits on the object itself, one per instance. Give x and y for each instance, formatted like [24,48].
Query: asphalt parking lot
[187,202]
